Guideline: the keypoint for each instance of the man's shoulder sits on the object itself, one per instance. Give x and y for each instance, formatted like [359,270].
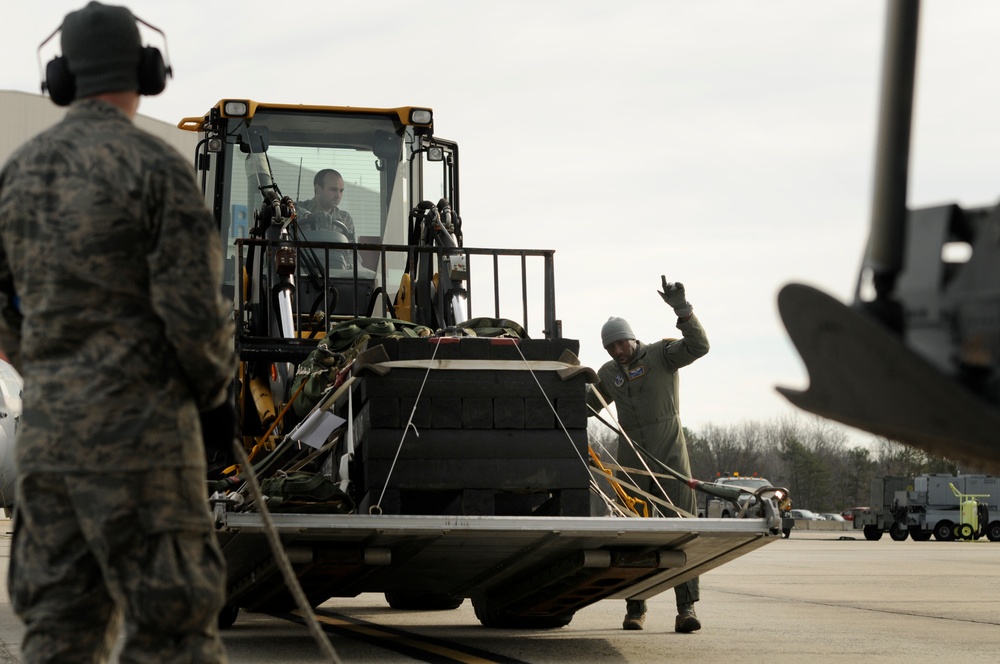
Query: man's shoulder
[42,143]
[607,369]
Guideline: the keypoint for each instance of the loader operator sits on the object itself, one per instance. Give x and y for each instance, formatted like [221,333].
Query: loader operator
[322,212]
[110,308]
[642,380]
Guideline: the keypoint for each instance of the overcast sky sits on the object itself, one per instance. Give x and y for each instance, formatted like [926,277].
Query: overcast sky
[726,144]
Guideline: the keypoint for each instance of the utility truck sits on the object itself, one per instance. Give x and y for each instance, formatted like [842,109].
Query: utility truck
[942,506]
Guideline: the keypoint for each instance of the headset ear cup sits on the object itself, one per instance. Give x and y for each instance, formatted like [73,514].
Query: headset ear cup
[59,82]
[152,71]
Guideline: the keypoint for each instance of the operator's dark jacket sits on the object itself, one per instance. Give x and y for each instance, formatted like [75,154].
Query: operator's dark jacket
[647,397]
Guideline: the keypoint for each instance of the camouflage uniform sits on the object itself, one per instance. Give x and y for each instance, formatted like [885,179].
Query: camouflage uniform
[648,404]
[309,218]
[110,308]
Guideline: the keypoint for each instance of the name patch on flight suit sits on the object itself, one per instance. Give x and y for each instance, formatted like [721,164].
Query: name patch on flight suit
[632,375]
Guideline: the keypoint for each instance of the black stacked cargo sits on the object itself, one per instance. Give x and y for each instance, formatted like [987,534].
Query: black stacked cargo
[483,440]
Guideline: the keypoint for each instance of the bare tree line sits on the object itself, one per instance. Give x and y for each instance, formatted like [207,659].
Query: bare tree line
[822,468]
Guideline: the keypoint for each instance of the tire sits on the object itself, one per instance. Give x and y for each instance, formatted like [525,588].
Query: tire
[405,601]
[873,533]
[993,531]
[726,514]
[227,616]
[963,531]
[918,535]
[898,532]
[942,531]
[490,616]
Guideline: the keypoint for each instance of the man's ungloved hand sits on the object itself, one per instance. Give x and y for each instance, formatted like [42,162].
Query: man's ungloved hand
[673,295]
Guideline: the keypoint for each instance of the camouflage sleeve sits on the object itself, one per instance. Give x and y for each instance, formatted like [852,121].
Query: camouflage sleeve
[694,344]
[185,279]
[10,314]
[349,222]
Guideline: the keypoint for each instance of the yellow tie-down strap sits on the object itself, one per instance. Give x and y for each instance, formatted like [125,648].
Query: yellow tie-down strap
[568,365]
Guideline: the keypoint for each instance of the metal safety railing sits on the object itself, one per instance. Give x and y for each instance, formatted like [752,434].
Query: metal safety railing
[354,290]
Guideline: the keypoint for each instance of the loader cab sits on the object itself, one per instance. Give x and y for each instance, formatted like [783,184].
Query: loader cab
[388,160]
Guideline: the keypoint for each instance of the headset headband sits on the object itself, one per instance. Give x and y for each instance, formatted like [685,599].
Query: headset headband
[166,54]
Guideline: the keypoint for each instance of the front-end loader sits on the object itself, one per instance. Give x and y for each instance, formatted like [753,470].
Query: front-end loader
[415,418]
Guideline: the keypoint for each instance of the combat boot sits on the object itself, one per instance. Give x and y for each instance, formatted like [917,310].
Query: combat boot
[635,614]
[686,621]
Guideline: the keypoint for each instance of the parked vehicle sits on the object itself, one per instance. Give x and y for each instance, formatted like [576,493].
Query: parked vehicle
[712,507]
[927,506]
[852,512]
[806,515]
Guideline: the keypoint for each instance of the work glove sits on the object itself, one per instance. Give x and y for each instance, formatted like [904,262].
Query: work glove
[673,295]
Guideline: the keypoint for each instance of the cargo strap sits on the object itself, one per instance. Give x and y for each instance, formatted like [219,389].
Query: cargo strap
[631,502]
[662,476]
[656,499]
[377,507]
[639,471]
[648,470]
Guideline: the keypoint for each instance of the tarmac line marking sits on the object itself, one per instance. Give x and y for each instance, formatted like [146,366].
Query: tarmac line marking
[871,609]
[428,649]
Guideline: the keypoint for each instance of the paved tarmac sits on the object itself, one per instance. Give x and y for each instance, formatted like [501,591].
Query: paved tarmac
[812,598]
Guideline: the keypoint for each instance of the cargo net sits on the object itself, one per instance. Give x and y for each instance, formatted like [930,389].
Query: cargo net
[478,419]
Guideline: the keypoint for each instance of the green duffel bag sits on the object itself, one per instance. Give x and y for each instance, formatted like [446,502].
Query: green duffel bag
[309,493]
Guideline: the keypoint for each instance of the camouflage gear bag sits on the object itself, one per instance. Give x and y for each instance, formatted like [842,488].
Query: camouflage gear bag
[305,493]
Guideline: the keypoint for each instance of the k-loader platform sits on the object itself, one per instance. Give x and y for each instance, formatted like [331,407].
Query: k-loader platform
[402,443]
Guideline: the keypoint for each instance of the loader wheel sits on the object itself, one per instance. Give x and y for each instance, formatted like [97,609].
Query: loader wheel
[918,535]
[942,531]
[993,531]
[404,601]
[227,616]
[898,532]
[491,616]
[872,533]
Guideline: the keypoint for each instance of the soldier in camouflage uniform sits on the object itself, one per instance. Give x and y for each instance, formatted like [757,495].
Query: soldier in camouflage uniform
[641,379]
[110,308]
[321,213]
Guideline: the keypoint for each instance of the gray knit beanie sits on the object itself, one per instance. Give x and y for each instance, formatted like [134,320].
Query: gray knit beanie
[101,44]
[614,330]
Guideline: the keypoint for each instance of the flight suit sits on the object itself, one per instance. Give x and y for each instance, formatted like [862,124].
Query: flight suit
[647,397]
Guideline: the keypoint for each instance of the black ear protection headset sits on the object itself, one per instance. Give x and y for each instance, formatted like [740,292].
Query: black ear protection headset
[60,84]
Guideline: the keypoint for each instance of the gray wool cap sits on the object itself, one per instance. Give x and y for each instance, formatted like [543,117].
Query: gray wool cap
[614,330]
[101,44]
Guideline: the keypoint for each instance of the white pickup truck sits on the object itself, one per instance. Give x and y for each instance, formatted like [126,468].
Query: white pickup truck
[716,508]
